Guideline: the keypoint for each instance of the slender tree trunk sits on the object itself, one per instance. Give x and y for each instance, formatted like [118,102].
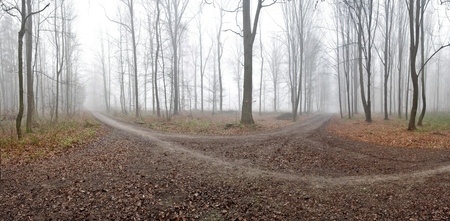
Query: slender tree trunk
[122,75]
[437,99]
[386,55]
[155,72]
[219,60]
[422,65]
[414,22]
[400,65]
[201,67]
[30,81]
[339,69]
[262,69]
[133,39]
[59,61]
[20,73]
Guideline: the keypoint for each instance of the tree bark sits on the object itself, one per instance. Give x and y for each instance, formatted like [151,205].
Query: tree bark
[414,34]
[133,39]
[422,65]
[219,60]
[155,72]
[262,69]
[20,73]
[249,36]
[30,81]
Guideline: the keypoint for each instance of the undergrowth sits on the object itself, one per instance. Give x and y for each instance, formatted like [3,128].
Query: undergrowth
[47,138]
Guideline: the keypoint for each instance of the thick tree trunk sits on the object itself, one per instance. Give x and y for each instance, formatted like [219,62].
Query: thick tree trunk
[246,116]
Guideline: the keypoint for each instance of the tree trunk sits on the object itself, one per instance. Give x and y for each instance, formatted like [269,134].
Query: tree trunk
[400,65]
[262,69]
[246,116]
[133,38]
[20,73]
[422,65]
[219,60]
[30,81]
[158,46]
[386,62]
[59,62]
[339,71]
[414,26]
[201,70]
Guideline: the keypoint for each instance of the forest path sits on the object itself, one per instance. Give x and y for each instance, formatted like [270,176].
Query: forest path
[300,131]
[299,172]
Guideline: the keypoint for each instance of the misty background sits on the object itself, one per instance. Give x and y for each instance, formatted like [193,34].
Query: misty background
[102,54]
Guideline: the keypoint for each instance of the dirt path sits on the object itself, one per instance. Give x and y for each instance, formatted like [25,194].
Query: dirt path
[299,172]
[300,130]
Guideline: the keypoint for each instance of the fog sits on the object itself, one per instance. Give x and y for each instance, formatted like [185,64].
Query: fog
[119,56]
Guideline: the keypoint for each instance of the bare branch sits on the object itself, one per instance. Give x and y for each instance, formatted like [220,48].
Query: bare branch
[270,4]
[9,10]
[423,66]
[37,12]
[240,34]
[114,21]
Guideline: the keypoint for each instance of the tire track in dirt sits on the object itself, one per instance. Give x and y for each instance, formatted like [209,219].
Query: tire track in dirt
[302,128]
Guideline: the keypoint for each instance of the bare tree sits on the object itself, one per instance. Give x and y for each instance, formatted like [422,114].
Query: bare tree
[275,56]
[219,57]
[202,62]
[102,57]
[422,64]
[59,46]
[131,29]
[298,16]
[24,15]
[155,65]
[175,10]
[237,76]
[29,57]
[415,13]
[388,19]
[362,14]
[401,44]
[261,68]
[249,39]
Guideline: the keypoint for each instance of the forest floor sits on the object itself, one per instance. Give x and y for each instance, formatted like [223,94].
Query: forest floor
[309,170]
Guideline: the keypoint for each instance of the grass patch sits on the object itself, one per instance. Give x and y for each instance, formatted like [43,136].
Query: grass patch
[47,138]
[207,123]
[435,123]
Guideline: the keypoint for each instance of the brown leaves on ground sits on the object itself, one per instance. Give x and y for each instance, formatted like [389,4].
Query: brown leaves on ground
[126,176]
[47,138]
[209,124]
[434,134]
